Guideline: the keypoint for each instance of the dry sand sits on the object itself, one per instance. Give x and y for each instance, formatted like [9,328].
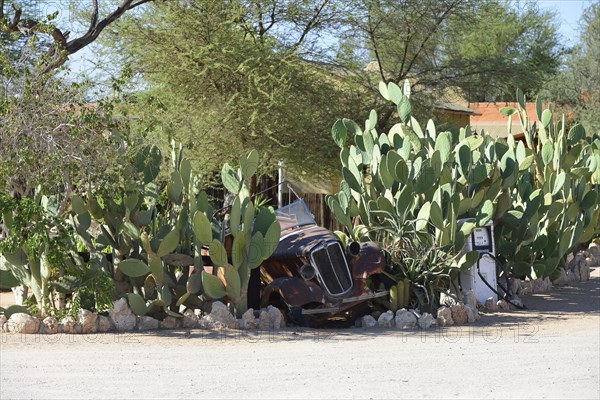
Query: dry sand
[551,350]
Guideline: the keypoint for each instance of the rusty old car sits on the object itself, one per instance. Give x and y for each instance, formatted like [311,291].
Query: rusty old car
[312,276]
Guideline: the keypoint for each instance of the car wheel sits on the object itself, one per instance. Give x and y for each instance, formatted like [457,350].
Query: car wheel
[295,316]
[291,315]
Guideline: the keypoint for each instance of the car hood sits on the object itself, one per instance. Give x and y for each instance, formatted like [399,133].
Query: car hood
[299,241]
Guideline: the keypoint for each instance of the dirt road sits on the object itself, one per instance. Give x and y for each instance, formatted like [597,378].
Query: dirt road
[551,350]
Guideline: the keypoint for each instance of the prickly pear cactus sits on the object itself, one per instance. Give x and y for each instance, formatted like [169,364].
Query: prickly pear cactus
[255,238]
[553,204]
[415,183]
[149,246]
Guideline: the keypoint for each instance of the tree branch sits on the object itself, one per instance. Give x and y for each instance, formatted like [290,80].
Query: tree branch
[415,56]
[371,33]
[92,34]
[310,25]
[94,17]
[63,48]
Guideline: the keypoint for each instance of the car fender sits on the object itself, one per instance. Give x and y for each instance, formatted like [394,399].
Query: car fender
[294,291]
[370,260]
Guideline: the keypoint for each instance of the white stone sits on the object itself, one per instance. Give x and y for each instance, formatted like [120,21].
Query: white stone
[248,321]
[583,271]
[563,279]
[541,285]
[470,299]
[169,323]
[264,321]
[67,325]
[104,324]
[20,293]
[448,299]
[444,316]
[591,261]
[515,302]
[472,314]
[525,288]
[572,276]
[405,319]
[23,323]
[145,323]
[459,314]
[579,268]
[49,326]
[368,322]
[122,316]
[426,321]
[276,317]
[491,305]
[220,312]
[502,305]
[219,318]
[87,320]
[594,249]
[190,320]
[570,258]
[386,319]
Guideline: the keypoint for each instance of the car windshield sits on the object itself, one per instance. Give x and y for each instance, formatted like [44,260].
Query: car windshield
[294,214]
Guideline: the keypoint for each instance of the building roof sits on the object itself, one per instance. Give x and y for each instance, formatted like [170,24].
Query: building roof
[303,185]
[455,108]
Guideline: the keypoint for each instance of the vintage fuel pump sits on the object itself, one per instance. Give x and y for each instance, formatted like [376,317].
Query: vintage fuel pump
[484,271]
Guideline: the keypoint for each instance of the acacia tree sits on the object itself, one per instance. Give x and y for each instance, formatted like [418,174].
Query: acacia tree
[272,74]
[61,44]
[52,138]
[482,50]
[51,135]
[576,89]
[223,79]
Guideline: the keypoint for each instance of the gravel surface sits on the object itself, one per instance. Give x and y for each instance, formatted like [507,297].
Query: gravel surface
[551,350]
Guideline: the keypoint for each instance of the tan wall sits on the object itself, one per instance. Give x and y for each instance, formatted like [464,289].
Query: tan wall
[453,119]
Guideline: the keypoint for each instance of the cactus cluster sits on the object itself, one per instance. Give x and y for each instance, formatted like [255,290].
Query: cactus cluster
[552,205]
[254,236]
[145,237]
[149,244]
[418,184]
[33,253]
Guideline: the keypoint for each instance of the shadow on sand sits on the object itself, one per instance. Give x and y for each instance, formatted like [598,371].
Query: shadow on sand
[580,298]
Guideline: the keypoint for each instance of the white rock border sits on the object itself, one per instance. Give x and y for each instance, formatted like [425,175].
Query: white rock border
[122,319]
[454,311]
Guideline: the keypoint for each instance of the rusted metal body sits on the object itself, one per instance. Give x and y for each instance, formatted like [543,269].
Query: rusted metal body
[312,273]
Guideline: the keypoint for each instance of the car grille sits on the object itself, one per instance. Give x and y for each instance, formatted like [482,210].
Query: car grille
[330,263]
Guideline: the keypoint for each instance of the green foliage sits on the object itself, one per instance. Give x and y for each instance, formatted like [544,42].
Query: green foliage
[257,86]
[36,243]
[575,90]
[419,194]
[504,45]
[152,236]
[553,201]
[254,234]
[54,138]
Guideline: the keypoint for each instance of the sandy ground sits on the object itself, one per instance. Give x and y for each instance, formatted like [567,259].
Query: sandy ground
[551,350]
